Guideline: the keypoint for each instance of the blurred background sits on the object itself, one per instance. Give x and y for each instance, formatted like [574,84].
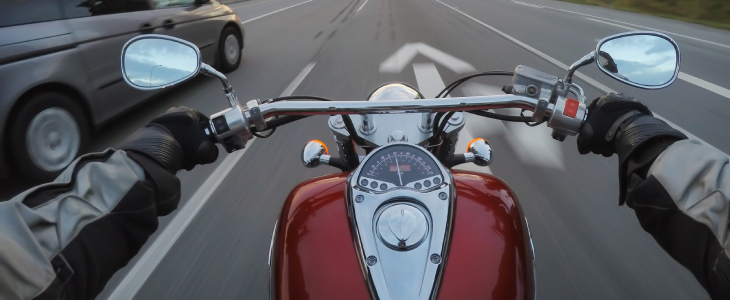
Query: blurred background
[62,94]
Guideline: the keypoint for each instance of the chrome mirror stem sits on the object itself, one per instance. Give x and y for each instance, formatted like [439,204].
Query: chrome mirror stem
[206,69]
[586,60]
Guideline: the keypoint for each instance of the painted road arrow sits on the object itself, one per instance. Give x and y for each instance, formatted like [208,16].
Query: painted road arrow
[396,62]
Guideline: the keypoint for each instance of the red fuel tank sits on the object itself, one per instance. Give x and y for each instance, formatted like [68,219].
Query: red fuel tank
[313,255]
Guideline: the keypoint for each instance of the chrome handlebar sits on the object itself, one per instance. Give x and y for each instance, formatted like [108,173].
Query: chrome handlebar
[398,106]
[231,127]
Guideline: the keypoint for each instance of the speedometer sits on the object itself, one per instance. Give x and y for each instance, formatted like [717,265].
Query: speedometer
[400,165]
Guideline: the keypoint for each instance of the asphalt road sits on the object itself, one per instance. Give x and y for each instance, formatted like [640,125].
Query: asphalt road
[586,246]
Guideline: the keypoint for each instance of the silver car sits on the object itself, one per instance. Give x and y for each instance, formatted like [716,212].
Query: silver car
[60,69]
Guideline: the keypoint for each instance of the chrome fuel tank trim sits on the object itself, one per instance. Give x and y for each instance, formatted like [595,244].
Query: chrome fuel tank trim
[402,234]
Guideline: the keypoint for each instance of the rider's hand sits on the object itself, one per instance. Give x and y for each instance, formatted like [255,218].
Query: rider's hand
[622,125]
[603,113]
[175,139]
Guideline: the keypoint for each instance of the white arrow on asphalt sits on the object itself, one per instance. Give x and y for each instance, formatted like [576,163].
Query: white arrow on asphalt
[533,145]
[396,62]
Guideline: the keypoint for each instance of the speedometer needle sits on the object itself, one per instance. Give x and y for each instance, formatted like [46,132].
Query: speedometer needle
[398,168]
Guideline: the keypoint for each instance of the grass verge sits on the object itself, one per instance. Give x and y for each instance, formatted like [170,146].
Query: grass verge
[714,13]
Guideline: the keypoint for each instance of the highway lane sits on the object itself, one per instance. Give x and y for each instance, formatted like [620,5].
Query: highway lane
[586,246]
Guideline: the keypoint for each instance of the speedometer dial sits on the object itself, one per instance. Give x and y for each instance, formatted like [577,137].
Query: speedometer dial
[399,165]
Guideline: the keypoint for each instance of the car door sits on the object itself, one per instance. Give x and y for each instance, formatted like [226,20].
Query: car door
[102,27]
[191,20]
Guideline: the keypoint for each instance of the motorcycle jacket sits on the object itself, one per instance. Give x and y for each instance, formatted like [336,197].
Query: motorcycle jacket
[65,239]
[680,192]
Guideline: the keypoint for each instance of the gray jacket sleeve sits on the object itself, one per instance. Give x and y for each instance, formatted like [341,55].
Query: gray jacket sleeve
[65,239]
[683,201]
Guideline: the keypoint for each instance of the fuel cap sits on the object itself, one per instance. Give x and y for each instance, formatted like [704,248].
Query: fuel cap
[402,227]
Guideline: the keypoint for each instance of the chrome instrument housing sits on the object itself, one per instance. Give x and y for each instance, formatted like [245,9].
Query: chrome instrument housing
[402,234]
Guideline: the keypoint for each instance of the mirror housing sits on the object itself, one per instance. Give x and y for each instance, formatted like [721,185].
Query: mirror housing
[154,61]
[643,59]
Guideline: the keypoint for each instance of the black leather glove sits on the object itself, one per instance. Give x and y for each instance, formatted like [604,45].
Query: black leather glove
[175,140]
[622,125]
[598,133]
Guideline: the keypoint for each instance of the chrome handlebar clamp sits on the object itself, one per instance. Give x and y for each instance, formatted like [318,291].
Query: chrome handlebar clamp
[254,114]
[231,128]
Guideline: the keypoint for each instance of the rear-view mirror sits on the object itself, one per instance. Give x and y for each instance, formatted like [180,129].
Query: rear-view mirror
[158,61]
[648,60]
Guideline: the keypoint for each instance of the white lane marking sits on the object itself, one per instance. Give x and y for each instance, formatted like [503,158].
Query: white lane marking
[247,4]
[705,85]
[533,145]
[684,76]
[580,75]
[428,79]
[273,12]
[297,80]
[645,27]
[361,6]
[152,257]
[528,4]
[137,276]
[609,23]
[396,62]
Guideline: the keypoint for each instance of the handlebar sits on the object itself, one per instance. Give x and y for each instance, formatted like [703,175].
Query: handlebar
[400,106]
[231,127]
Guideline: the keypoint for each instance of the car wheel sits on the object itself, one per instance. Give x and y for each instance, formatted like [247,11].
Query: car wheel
[47,134]
[229,50]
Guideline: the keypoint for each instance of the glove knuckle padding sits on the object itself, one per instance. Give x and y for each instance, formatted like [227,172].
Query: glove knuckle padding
[184,125]
[157,142]
[175,140]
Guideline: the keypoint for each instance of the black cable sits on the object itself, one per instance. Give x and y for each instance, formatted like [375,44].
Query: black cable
[531,124]
[500,117]
[264,136]
[444,121]
[352,131]
[437,120]
[447,90]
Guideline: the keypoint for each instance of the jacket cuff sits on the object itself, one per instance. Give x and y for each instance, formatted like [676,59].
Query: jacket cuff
[639,141]
[167,184]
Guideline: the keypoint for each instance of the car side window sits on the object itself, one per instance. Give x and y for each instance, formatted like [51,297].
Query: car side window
[17,12]
[88,8]
[173,3]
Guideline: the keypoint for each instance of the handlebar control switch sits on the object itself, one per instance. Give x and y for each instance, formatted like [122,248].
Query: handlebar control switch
[479,152]
[567,117]
[230,128]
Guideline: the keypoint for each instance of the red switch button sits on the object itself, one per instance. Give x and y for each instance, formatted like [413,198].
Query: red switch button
[571,108]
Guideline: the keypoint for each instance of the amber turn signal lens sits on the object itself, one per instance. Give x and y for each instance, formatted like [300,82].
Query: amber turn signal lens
[326,152]
[472,141]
